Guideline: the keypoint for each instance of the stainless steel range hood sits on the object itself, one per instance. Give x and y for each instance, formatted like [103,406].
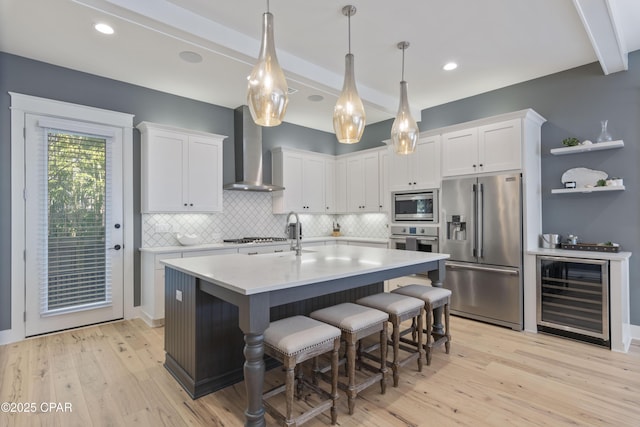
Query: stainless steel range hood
[248,152]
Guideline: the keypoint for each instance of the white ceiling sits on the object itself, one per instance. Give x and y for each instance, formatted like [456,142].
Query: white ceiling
[495,42]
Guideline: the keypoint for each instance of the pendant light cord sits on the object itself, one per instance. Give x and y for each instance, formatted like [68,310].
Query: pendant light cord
[267,6]
[349,26]
[403,48]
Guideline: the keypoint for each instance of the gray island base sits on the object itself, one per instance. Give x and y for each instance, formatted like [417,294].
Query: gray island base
[228,299]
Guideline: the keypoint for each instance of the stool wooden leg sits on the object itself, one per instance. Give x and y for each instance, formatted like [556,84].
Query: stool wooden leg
[299,383]
[429,330]
[316,370]
[334,381]
[447,344]
[351,368]
[383,359]
[395,366]
[421,352]
[289,386]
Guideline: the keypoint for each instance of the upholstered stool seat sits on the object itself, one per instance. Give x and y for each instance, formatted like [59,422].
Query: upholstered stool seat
[292,341]
[357,322]
[433,298]
[400,308]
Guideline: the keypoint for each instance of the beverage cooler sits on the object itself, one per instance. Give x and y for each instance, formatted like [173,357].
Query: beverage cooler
[573,298]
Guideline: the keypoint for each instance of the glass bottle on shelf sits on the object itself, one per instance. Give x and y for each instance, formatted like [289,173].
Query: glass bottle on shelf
[604,133]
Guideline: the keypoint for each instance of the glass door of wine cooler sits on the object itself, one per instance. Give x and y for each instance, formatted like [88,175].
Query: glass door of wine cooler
[573,296]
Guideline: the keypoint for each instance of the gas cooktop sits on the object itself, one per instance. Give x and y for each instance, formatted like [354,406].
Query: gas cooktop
[256,240]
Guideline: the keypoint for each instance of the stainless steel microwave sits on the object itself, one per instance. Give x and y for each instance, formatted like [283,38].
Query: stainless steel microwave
[416,206]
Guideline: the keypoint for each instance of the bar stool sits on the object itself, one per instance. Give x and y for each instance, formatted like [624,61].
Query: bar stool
[433,298]
[357,322]
[292,341]
[400,308]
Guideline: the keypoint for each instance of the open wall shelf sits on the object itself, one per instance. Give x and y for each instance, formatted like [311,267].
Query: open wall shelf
[596,146]
[587,189]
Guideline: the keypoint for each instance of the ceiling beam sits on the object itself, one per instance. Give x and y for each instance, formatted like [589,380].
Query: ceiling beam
[603,29]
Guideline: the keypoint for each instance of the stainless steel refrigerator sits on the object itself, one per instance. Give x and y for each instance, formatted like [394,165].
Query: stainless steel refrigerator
[483,234]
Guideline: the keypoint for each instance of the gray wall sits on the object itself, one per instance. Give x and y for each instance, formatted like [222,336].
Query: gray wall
[573,102]
[35,78]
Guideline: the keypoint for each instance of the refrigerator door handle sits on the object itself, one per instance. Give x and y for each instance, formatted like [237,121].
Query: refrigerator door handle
[481,215]
[455,265]
[475,219]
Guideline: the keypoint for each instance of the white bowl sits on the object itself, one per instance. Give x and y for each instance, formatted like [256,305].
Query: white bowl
[188,239]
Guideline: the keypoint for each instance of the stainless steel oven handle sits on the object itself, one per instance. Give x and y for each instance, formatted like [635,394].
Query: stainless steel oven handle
[427,239]
[454,265]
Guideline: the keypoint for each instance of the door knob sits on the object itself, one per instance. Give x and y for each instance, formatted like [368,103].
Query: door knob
[117,247]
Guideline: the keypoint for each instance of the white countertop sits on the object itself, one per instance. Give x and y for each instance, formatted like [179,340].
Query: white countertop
[581,254]
[214,246]
[252,274]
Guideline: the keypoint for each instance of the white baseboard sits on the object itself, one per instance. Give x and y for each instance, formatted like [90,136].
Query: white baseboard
[635,332]
[154,323]
[9,336]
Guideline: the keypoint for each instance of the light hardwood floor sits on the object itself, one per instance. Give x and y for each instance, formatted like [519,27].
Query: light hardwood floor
[112,375]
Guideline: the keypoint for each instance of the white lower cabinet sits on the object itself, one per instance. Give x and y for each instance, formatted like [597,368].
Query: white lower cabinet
[152,286]
[152,281]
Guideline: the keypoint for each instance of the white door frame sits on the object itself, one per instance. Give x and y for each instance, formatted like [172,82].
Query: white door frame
[20,106]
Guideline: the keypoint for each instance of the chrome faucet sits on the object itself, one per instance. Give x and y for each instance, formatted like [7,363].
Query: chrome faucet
[298,246]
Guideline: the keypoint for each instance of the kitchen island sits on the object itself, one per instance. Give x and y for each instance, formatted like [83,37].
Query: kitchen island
[205,294]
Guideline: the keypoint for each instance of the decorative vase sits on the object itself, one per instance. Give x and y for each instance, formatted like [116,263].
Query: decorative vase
[604,134]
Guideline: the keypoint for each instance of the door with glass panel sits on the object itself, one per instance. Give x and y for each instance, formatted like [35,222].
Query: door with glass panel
[74,232]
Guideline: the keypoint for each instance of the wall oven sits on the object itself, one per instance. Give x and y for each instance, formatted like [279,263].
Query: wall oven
[414,237]
[415,206]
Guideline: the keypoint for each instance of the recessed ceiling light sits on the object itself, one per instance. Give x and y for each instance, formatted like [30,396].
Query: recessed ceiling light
[315,98]
[450,66]
[104,28]
[192,57]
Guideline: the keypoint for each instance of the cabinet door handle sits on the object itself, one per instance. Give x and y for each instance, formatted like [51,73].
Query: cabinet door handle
[474,166]
[185,204]
[481,165]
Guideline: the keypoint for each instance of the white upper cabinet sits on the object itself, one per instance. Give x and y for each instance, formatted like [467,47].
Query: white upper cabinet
[384,195]
[490,148]
[460,152]
[330,186]
[341,186]
[363,183]
[302,174]
[417,171]
[181,170]
[500,146]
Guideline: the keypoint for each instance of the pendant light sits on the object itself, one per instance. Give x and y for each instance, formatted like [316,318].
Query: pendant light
[267,95]
[404,132]
[348,115]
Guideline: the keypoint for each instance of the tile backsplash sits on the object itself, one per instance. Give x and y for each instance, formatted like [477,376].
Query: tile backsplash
[249,214]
